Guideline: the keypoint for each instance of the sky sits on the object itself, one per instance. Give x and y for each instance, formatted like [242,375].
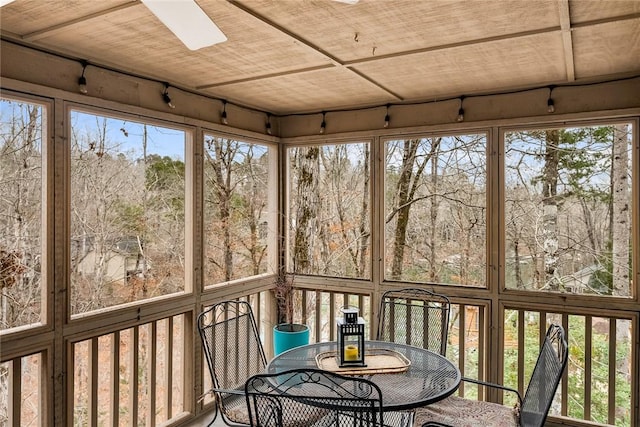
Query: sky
[125,136]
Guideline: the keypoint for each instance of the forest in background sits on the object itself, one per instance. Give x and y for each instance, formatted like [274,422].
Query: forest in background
[566,196]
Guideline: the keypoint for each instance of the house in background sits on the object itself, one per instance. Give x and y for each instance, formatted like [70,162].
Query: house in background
[121,261]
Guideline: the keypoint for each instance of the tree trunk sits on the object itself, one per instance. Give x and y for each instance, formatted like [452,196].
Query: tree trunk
[408,183]
[516,266]
[433,217]
[550,209]
[620,239]
[307,160]
[588,223]
[620,212]
[364,214]
[403,206]
[221,165]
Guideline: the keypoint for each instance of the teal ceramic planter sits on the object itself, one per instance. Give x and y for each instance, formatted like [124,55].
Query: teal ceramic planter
[289,335]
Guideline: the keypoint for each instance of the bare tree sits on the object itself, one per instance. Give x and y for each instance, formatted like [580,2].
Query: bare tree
[345,196]
[620,237]
[363,220]
[127,212]
[20,214]
[236,182]
[307,162]
[220,156]
[329,214]
[550,213]
[411,171]
[620,230]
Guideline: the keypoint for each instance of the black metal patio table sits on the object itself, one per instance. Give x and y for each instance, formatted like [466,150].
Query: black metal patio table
[426,378]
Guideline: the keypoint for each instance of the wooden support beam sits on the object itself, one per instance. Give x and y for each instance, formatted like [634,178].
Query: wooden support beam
[567,42]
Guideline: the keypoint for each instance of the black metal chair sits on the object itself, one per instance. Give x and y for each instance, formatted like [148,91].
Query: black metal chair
[415,316]
[531,410]
[314,397]
[234,352]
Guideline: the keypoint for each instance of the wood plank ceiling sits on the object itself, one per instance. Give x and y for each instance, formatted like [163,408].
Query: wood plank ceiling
[297,56]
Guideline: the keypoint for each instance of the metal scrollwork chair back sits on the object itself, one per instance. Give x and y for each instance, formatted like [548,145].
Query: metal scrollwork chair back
[545,378]
[233,352]
[531,411]
[312,397]
[415,316]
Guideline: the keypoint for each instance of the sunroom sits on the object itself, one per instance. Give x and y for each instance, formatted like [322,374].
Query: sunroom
[484,150]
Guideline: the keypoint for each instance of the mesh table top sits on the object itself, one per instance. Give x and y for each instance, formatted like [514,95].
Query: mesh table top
[429,377]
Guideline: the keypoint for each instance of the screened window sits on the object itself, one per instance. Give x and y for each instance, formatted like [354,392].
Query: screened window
[435,209]
[568,209]
[240,223]
[329,210]
[21,228]
[127,211]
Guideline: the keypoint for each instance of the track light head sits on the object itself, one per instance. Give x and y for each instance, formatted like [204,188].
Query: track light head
[387,118]
[551,107]
[82,80]
[460,117]
[166,98]
[268,125]
[82,85]
[223,115]
[323,125]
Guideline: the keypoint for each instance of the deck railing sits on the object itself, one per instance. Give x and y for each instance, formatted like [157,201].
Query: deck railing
[147,373]
[133,376]
[21,394]
[601,380]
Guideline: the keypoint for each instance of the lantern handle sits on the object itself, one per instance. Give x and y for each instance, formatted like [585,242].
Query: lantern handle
[349,307]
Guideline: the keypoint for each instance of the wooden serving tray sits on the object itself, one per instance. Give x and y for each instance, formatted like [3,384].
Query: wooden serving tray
[378,360]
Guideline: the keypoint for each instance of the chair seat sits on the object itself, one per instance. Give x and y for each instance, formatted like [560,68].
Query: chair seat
[235,409]
[390,419]
[458,412]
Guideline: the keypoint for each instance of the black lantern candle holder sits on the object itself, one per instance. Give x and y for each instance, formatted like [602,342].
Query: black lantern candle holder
[350,338]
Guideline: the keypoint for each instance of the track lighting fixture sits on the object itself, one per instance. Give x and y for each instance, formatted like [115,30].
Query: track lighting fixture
[223,116]
[323,125]
[166,97]
[268,124]
[82,81]
[387,118]
[460,117]
[551,108]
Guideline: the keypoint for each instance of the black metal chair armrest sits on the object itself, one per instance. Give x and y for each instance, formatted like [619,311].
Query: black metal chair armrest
[498,386]
[531,409]
[228,391]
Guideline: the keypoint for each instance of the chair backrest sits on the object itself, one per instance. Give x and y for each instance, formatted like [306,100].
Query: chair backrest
[545,378]
[415,316]
[303,397]
[233,351]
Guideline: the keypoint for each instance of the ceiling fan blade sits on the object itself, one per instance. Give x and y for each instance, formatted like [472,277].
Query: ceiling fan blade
[187,21]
